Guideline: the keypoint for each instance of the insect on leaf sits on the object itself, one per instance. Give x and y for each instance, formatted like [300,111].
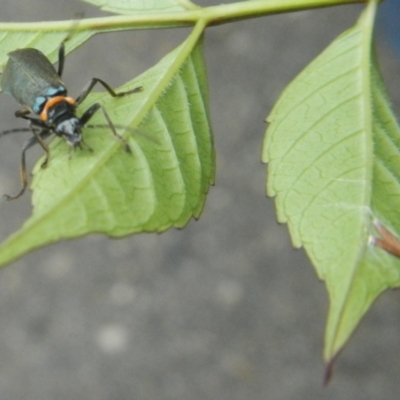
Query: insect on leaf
[161,184]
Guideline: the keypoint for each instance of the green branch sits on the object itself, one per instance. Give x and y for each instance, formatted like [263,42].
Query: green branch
[214,15]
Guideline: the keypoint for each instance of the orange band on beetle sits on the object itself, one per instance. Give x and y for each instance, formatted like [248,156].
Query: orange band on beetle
[52,102]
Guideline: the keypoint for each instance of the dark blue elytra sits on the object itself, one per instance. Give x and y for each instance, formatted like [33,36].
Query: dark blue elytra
[31,79]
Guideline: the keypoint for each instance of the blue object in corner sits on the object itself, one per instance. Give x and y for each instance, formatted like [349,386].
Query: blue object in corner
[389,22]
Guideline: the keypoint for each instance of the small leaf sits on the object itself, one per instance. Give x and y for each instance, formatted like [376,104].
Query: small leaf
[142,6]
[161,184]
[333,151]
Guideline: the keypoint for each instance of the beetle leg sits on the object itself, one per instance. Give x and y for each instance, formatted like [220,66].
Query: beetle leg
[89,87]
[16,130]
[61,49]
[22,113]
[24,179]
[89,113]
[61,57]
[37,138]
[32,120]
[40,135]
[40,132]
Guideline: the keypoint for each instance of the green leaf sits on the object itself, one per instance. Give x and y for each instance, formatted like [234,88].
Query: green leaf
[142,6]
[161,184]
[333,151]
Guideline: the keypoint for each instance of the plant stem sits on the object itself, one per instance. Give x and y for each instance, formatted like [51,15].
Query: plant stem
[250,9]
[213,15]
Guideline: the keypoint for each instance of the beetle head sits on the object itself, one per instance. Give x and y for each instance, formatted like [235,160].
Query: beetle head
[70,130]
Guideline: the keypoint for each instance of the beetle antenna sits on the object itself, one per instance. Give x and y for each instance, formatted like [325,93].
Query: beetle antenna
[15,130]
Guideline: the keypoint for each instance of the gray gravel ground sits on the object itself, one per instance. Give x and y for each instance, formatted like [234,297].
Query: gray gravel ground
[224,309]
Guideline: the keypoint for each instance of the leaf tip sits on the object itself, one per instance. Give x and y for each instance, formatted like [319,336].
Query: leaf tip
[329,369]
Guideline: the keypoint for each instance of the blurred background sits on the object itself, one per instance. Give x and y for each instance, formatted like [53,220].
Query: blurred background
[225,309]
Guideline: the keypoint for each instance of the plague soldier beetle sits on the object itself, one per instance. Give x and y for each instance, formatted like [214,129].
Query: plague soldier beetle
[31,79]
